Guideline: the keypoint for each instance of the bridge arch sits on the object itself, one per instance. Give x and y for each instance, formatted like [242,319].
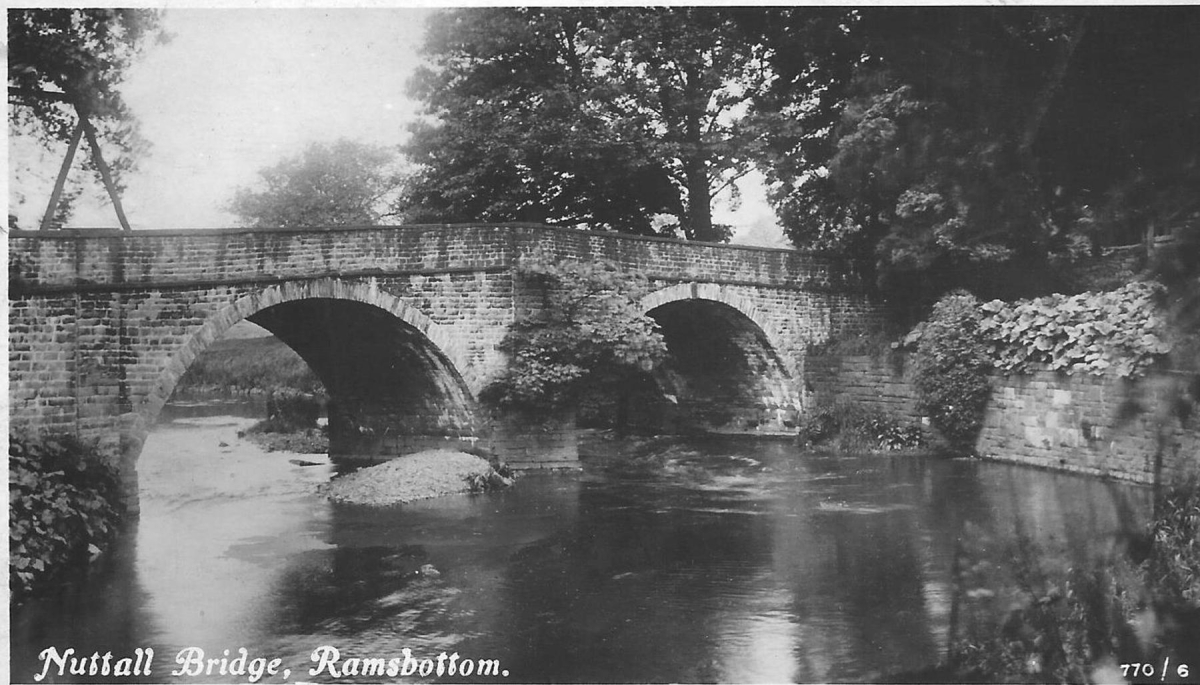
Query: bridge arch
[364,319]
[727,362]
[245,307]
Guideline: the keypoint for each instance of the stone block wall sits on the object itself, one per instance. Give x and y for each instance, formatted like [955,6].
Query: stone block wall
[880,382]
[554,444]
[1072,423]
[1066,423]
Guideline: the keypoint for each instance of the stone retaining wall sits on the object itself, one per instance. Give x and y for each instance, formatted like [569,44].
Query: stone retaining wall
[1068,423]
[877,382]
[1073,423]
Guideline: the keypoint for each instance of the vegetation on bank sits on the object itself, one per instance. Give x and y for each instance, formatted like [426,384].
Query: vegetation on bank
[291,424]
[246,365]
[952,371]
[62,510]
[849,427]
[1017,620]
[1121,333]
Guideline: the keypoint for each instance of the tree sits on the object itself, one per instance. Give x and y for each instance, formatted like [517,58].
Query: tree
[687,76]
[939,141]
[341,184]
[617,118]
[68,63]
[586,334]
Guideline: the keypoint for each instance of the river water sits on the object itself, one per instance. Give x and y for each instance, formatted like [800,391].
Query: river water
[722,559]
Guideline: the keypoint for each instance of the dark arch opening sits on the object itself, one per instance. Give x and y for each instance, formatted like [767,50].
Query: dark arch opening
[391,390]
[722,373]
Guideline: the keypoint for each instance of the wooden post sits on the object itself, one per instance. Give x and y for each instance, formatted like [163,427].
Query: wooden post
[105,176]
[62,178]
[85,126]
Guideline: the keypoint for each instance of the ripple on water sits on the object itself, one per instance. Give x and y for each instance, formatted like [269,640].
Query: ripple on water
[731,562]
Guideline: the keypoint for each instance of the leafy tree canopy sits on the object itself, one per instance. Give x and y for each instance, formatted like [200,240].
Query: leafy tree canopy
[934,141]
[82,54]
[587,333]
[345,183]
[63,59]
[626,119]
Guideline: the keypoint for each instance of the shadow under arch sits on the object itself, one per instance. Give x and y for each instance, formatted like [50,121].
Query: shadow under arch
[393,375]
[724,370]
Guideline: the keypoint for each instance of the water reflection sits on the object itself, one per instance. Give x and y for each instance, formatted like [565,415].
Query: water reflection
[716,561]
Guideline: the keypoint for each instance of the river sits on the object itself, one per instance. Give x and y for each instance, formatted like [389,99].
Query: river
[713,560]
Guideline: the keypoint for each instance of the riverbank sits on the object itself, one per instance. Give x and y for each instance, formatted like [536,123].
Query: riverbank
[424,475]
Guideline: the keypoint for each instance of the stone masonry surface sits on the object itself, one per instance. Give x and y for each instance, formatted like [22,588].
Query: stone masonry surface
[1045,419]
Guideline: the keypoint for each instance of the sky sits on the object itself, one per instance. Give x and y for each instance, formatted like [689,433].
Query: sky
[236,90]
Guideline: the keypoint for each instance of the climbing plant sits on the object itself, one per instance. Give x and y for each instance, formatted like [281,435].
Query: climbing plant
[1120,332]
[585,332]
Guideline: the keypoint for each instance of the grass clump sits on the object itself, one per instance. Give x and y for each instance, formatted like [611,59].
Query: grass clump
[849,427]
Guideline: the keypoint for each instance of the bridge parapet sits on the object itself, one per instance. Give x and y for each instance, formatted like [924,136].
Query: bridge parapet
[86,259]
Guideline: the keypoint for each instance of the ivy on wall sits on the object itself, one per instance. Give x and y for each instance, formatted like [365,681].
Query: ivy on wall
[588,333]
[1119,332]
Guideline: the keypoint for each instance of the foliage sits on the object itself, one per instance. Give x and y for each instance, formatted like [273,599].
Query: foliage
[83,53]
[1120,332]
[625,118]
[952,369]
[931,141]
[849,427]
[1060,626]
[247,365]
[61,509]
[1173,567]
[586,333]
[289,411]
[80,56]
[1079,624]
[1177,266]
[340,184]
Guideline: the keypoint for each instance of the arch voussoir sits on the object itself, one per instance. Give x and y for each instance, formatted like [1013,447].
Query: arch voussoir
[725,295]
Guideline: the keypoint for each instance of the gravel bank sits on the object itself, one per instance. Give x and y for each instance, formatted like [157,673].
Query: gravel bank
[423,475]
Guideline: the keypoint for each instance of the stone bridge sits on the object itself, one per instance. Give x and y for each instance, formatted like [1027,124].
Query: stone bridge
[400,323]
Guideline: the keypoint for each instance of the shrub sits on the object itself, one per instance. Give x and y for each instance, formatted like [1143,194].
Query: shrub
[952,366]
[61,509]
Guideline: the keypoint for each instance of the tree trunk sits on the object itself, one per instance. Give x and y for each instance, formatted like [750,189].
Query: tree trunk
[699,224]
